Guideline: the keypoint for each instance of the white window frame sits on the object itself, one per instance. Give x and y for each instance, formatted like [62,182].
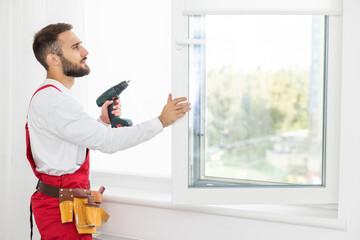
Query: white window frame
[181,193]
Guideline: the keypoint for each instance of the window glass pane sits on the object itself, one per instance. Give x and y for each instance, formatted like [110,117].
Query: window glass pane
[257,90]
[117,38]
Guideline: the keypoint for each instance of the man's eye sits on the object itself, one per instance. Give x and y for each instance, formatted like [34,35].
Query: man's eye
[76,47]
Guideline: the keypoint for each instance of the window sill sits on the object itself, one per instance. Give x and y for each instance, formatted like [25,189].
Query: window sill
[129,189]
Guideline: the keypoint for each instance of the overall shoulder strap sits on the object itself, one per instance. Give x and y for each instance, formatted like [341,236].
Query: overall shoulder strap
[45,86]
[41,88]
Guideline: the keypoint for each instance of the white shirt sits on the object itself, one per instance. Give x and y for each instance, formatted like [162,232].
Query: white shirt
[60,131]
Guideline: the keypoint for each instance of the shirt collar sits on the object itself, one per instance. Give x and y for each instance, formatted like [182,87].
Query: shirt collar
[56,84]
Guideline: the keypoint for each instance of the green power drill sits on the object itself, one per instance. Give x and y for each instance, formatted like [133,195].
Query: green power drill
[113,93]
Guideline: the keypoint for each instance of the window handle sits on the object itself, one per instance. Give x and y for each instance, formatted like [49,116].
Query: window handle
[188,41]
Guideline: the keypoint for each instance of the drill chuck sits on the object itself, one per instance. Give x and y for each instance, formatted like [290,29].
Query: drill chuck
[121,87]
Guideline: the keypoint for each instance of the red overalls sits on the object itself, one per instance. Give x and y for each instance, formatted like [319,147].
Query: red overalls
[45,208]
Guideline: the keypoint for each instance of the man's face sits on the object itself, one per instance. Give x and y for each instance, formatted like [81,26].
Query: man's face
[74,55]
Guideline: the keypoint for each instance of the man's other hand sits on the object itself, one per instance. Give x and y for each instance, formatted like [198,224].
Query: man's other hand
[104,111]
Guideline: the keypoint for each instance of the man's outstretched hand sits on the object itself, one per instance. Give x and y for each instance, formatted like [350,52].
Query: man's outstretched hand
[173,110]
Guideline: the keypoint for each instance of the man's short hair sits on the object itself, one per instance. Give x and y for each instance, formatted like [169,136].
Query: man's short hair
[46,41]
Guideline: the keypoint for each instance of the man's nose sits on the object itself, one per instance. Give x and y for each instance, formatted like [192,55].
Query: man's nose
[84,52]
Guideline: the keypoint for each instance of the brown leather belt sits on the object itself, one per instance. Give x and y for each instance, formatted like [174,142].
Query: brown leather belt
[53,191]
[47,189]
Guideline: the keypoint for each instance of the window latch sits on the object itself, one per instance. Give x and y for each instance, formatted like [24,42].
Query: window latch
[181,42]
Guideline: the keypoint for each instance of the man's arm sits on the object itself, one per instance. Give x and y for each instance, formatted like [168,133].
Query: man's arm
[66,119]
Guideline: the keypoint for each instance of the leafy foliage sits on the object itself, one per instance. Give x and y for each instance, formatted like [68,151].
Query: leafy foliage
[240,105]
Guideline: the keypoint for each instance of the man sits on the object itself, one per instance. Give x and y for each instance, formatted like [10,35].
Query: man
[61,132]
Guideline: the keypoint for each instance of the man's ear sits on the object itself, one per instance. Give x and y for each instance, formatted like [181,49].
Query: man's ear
[53,59]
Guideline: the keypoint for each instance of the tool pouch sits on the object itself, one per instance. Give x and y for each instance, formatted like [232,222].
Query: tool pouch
[66,210]
[79,205]
[92,214]
[81,223]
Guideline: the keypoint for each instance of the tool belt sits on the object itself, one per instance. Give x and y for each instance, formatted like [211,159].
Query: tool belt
[78,205]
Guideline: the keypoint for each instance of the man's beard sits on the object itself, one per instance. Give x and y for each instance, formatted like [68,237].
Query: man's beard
[72,70]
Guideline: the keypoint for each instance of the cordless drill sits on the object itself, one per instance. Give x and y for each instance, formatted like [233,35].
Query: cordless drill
[113,93]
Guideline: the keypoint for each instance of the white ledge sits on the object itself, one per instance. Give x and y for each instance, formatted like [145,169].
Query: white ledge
[298,215]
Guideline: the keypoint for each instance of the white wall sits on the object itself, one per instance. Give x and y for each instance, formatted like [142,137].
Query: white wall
[349,190]
[20,75]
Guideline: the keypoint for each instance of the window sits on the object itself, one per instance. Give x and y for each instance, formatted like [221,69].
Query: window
[263,86]
[257,90]
[129,42]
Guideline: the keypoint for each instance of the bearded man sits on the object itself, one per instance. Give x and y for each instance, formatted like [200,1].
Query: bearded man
[62,133]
